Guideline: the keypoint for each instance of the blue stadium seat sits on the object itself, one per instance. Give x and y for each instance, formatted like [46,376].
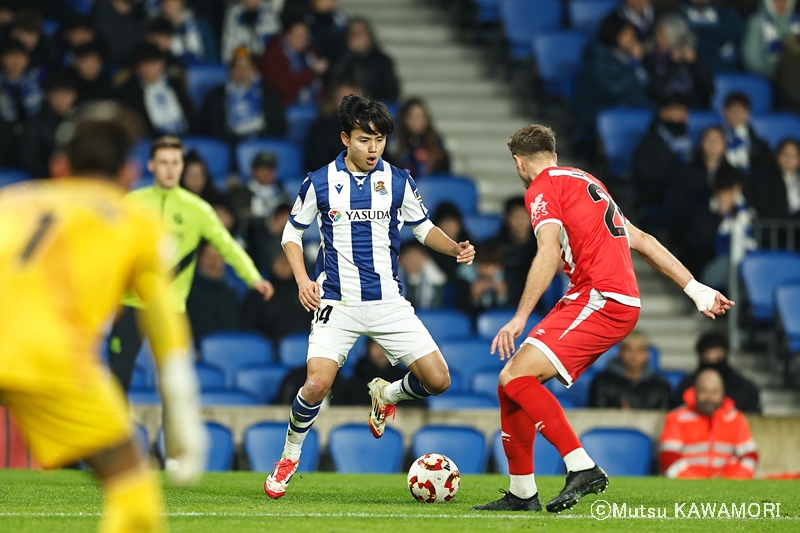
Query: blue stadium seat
[455,402]
[355,451]
[141,154]
[490,322]
[446,324]
[673,377]
[459,191]
[457,384]
[559,57]
[546,459]
[762,273]
[50,26]
[357,352]
[140,380]
[483,227]
[466,446]
[620,452]
[144,397]
[787,306]
[775,127]
[699,121]
[575,396]
[488,11]
[299,118]
[293,349]
[220,447]
[237,284]
[262,382]
[9,176]
[522,19]
[211,377]
[585,16]
[201,78]
[141,438]
[753,85]
[263,445]
[485,383]
[229,397]
[215,153]
[393,108]
[620,130]
[469,356]
[289,155]
[147,363]
[231,351]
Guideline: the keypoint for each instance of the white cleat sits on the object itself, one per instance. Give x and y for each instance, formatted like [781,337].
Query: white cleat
[380,409]
[275,485]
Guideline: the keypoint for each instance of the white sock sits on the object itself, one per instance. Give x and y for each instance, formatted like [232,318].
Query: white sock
[578,459]
[393,393]
[523,486]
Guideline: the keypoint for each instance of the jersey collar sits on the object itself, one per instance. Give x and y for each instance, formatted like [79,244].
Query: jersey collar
[342,166]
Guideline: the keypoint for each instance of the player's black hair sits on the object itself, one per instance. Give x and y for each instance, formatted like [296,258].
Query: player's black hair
[514,201]
[711,339]
[371,116]
[737,97]
[726,179]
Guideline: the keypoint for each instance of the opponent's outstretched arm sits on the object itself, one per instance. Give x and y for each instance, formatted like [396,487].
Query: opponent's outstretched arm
[708,301]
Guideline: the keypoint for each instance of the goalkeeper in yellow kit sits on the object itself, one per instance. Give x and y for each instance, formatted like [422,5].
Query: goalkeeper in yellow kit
[69,249]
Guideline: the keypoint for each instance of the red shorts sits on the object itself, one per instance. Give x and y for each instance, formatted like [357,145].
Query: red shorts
[576,332]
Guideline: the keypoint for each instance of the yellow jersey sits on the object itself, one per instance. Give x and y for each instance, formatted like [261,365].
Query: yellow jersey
[69,249]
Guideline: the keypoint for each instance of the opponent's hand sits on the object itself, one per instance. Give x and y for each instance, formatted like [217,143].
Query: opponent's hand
[185,437]
[708,301]
[309,295]
[265,288]
[504,340]
[465,252]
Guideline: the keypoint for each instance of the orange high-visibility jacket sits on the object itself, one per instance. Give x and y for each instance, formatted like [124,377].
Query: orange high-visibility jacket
[694,445]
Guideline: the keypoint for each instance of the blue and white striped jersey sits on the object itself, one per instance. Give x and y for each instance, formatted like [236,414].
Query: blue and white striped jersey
[359,218]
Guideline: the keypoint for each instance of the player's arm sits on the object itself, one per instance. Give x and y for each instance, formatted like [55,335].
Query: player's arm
[232,253]
[303,213]
[438,241]
[708,301]
[544,268]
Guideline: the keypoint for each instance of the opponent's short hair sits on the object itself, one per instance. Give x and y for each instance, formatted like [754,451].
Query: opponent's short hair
[167,141]
[369,115]
[532,139]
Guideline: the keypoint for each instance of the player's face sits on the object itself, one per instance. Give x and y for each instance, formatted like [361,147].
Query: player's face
[166,166]
[364,149]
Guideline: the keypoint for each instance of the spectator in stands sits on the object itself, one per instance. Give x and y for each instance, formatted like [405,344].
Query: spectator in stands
[674,66]
[777,194]
[212,304]
[324,137]
[629,382]
[162,101]
[87,65]
[787,74]
[423,281]
[21,84]
[420,149]
[707,437]
[192,38]
[250,23]
[365,62]
[263,193]
[121,24]
[766,30]
[195,178]
[327,24]
[744,147]
[73,34]
[662,154]
[244,107]
[38,140]
[640,14]
[712,352]
[291,66]
[719,31]
[263,236]
[483,286]
[27,29]
[160,33]
[450,220]
[519,246]
[283,314]
[611,75]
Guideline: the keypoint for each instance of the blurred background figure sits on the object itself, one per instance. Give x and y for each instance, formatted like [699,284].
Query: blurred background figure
[744,147]
[482,286]
[262,194]
[250,23]
[192,39]
[212,304]
[27,29]
[365,62]
[718,29]
[450,220]
[766,30]
[776,191]
[73,34]
[641,15]
[195,178]
[121,24]
[519,246]
[419,147]
[327,24]
[92,81]
[423,281]
[324,141]
[20,83]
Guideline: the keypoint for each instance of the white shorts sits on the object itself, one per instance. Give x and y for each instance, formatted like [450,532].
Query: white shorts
[393,325]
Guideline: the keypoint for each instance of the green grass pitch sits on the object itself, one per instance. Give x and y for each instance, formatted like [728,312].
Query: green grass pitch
[70,501]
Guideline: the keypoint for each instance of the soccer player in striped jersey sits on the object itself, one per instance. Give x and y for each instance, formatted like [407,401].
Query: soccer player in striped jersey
[359,203]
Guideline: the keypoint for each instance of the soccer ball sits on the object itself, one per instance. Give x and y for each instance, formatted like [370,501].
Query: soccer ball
[433,478]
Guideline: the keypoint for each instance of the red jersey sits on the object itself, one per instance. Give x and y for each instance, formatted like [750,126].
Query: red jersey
[595,246]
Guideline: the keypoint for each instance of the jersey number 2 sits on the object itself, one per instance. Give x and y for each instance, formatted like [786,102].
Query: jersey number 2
[612,215]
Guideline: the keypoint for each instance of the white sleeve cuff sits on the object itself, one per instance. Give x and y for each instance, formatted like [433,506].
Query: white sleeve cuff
[421,230]
[292,234]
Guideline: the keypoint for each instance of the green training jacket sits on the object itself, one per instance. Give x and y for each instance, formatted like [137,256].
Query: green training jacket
[191,219]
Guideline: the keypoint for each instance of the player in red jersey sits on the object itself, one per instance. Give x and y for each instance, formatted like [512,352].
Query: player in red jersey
[577,223]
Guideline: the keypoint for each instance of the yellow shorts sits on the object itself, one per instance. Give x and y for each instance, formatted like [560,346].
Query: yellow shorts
[71,419]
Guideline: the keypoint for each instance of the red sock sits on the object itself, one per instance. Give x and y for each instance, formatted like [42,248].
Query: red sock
[518,434]
[545,412]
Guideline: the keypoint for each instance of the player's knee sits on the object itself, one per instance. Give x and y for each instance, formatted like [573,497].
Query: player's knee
[438,383]
[316,388]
